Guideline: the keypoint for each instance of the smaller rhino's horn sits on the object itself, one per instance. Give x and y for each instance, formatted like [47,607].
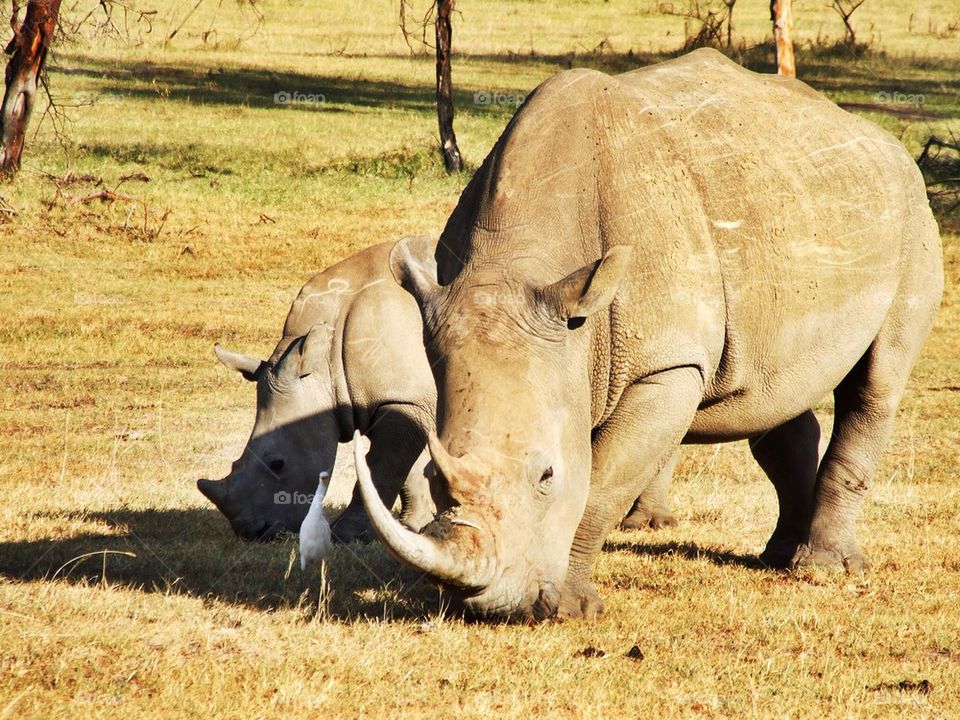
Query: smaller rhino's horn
[214,490]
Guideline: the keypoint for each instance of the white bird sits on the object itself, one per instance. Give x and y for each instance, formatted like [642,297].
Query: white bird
[315,530]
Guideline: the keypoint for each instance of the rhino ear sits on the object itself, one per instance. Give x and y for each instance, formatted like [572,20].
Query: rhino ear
[306,354]
[414,266]
[315,349]
[249,367]
[591,288]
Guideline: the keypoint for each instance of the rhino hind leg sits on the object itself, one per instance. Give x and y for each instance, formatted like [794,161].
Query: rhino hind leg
[652,509]
[866,403]
[788,455]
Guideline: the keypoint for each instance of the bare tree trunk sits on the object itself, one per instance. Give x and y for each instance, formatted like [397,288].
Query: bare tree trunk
[28,51]
[781,14]
[448,139]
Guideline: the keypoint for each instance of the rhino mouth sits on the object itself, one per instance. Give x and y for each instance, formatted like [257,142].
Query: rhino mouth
[263,532]
[540,602]
[243,526]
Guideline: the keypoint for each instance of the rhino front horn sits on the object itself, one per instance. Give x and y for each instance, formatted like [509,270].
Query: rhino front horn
[437,558]
[213,490]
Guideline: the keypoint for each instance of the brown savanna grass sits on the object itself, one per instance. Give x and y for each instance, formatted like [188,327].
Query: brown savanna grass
[122,594]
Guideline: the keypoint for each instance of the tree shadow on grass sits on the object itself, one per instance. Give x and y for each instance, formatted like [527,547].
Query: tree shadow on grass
[193,553]
[687,550]
[865,75]
[871,84]
[247,86]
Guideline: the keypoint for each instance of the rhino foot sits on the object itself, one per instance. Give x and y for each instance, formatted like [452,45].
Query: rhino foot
[816,555]
[781,551]
[351,527]
[581,603]
[642,519]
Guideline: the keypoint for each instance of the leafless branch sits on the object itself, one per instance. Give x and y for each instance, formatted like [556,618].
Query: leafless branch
[417,37]
[7,211]
[714,23]
[211,31]
[934,142]
[102,195]
[845,9]
[56,112]
[118,19]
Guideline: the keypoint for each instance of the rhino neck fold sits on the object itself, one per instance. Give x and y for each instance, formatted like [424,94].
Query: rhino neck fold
[344,409]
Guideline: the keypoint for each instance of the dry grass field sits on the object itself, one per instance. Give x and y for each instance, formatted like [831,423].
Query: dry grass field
[124,594]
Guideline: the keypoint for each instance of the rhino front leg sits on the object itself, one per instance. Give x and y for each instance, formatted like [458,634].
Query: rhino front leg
[643,433]
[396,443]
[652,508]
[788,455]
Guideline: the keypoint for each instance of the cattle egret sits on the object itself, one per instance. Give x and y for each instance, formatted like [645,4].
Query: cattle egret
[315,530]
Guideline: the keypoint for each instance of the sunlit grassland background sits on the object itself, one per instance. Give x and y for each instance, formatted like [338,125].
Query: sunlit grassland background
[123,594]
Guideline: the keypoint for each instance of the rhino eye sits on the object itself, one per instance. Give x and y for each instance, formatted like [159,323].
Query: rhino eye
[546,480]
[276,466]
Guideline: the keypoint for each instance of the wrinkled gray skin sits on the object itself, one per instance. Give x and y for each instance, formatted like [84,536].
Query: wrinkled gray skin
[349,359]
[690,252]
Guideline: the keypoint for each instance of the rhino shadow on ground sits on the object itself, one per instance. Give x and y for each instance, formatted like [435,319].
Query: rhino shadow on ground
[192,552]
[687,550]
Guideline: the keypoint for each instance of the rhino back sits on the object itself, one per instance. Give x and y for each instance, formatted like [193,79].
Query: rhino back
[771,227]
[327,297]
[801,218]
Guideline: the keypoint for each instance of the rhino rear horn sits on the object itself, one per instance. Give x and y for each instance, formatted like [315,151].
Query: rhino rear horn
[249,367]
[457,475]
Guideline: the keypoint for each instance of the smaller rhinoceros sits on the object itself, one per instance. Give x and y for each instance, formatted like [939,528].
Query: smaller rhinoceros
[351,358]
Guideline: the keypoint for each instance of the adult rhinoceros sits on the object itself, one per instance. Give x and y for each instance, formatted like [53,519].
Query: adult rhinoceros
[690,252]
[349,359]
